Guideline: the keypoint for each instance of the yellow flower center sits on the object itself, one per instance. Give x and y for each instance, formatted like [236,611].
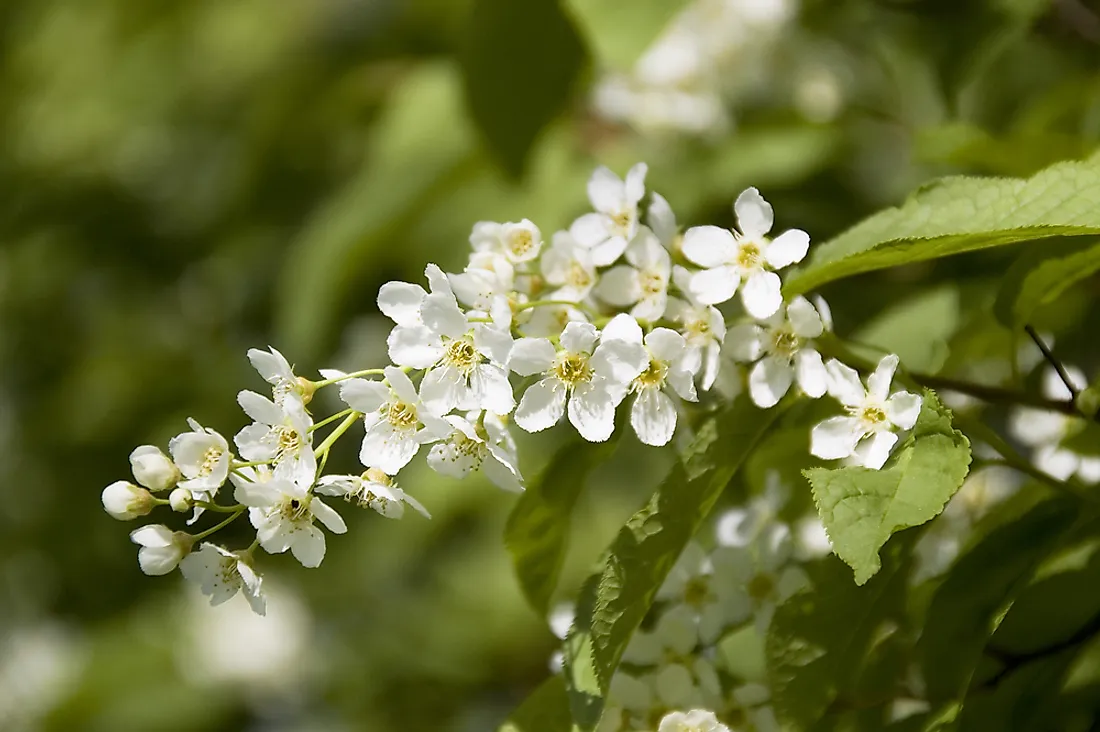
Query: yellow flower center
[573,369]
[749,255]
[401,415]
[520,242]
[784,342]
[291,509]
[653,376]
[578,276]
[873,415]
[652,283]
[210,460]
[461,354]
[621,220]
[288,441]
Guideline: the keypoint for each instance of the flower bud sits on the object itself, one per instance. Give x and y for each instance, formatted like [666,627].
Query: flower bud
[161,548]
[125,501]
[1088,401]
[181,500]
[153,469]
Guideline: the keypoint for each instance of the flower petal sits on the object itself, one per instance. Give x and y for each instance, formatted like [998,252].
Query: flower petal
[619,286]
[805,321]
[622,327]
[531,356]
[364,396]
[744,343]
[416,347]
[579,337]
[587,231]
[713,286]
[810,372]
[606,190]
[328,516]
[844,384]
[442,389]
[754,214]
[493,343]
[271,365]
[878,383]
[835,438]
[709,246]
[761,294]
[387,449]
[619,361]
[309,547]
[787,248]
[662,220]
[634,185]
[769,381]
[400,302]
[260,408]
[873,452]
[442,315]
[541,406]
[665,344]
[592,412]
[903,408]
[490,387]
[653,417]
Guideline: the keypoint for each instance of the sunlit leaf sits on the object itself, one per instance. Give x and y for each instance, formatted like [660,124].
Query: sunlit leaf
[619,36]
[862,508]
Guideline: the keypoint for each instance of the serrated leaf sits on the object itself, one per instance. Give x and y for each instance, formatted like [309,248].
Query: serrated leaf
[545,710]
[861,508]
[1040,275]
[966,607]
[520,65]
[961,214]
[618,36]
[537,532]
[615,598]
[818,639]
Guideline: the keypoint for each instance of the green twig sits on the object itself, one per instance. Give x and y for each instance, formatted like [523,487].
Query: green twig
[1049,356]
[203,534]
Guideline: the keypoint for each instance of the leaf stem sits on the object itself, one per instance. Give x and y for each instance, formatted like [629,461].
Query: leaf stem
[333,436]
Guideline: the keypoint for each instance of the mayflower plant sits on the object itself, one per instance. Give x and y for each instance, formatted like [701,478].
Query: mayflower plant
[708,341]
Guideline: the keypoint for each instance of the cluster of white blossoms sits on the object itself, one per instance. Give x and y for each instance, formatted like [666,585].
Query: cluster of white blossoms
[620,307]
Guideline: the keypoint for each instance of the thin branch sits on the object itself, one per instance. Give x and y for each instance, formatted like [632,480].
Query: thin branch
[1052,361]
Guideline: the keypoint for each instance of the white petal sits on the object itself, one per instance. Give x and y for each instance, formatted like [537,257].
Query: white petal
[416,347]
[608,252]
[662,220]
[824,311]
[754,214]
[401,384]
[653,417]
[437,281]
[709,246]
[442,389]
[682,382]
[714,286]
[665,344]
[260,408]
[271,365]
[675,687]
[152,535]
[309,546]
[622,327]
[744,343]
[445,459]
[493,343]
[364,396]
[327,516]
[579,337]
[606,191]
[903,409]
[386,449]
[501,474]
[878,383]
[531,356]
[873,452]
[592,412]
[769,381]
[787,248]
[619,361]
[835,438]
[589,230]
[634,185]
[541,406]
[805,321]
[490,387]
[400,302]
[442,315]
[762,294]
[844,384]
[619,286]
[254,444]
[812,377]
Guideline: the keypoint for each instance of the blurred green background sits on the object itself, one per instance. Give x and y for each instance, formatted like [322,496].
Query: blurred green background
[182,180]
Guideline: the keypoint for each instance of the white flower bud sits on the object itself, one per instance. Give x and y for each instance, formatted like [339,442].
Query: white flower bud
[153,469]
[126,501]
[181,500]
[161,548]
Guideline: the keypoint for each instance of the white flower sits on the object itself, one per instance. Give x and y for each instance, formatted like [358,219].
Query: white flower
[606,232]
[485,446]
[591,379]
[702,326]
[761,571]
[697,720]
[662,222]
[277,371]
[682,677]
[548,321]
[203,458]
[568,266]
[220,574]
[629,704]
[465,360]
[153,469]
[653,414]
[1044,430]
[280,433]
[715,601]
[487,277]
[867,433]
[161,548]
[373,489]
[125,501]
[282,512]
[396,420]
[744,259]
[781,352]
[642,283]
[519,242]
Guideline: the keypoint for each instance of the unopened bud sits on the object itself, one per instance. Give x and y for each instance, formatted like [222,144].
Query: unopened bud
[161,548]
[1088,401]
[125,501]
[181,500]
[153,469]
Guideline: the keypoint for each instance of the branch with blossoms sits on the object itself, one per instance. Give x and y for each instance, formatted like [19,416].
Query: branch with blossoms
[612,312]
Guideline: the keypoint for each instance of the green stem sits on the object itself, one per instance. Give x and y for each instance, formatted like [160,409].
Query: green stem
[203,534]
[1049,356]
[551,303]
[237,465]
[333,418]
[352,375]
[323,448]
[218,508]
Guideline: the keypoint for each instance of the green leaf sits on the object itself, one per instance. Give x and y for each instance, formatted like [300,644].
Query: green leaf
[961,214]
[818,639]
[537,532]
[861,508]
[615,598]
[1084,441]
[546,710]
[967,607]
[520,65]
[1040,276]
[917,329]
[618,35]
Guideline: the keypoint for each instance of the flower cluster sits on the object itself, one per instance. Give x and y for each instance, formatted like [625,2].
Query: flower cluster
[620,309]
